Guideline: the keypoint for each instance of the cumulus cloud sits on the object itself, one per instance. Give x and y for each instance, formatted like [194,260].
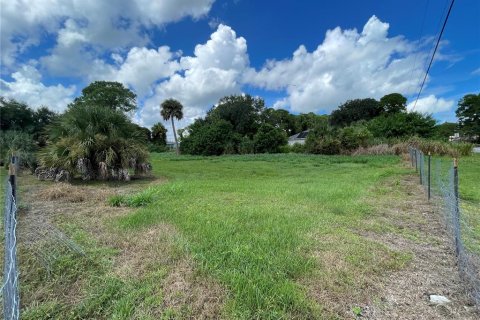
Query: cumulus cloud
[431,104]
[214,71]
[27,87]
[142,68]
[107,24]
[348,64]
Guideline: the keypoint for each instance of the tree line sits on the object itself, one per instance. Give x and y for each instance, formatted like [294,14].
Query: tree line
[95,137]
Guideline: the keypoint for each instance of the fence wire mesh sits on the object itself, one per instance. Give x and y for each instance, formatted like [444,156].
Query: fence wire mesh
[10,290]
[439,177]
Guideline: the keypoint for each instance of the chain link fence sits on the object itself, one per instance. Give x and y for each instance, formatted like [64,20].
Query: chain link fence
[439,177]
[10,285]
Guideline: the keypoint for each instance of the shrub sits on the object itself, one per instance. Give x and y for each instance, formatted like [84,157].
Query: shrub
[208,137]
[379,149]
[297,148]
[246,146]
[326,145]
[269,139]
[96,142]
[353,137]
[19,143]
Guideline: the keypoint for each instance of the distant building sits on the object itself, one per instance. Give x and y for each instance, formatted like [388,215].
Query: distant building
[455,137]
[171,145]
[299,138]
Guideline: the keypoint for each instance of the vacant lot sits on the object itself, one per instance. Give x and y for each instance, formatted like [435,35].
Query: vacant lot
[264,236]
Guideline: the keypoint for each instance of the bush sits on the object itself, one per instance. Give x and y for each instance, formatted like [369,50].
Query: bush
[353,137]
[210,137]
[96,142]
[297,148]
[269,139]
[19,143]
[246,146]
[379,149]
[327,145]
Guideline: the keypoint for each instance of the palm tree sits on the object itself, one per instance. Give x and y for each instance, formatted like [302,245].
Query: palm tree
[172,108]
[96,142]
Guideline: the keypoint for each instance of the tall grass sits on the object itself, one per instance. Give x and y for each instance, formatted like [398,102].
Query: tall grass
[435,147]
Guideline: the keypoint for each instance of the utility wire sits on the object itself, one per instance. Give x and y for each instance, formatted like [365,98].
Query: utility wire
[434,51]
[421,35]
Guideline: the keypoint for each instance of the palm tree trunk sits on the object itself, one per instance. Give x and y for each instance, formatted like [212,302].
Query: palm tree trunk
[175,136]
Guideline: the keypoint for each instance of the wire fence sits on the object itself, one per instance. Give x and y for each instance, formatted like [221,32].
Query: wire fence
[439,177]
[10,285]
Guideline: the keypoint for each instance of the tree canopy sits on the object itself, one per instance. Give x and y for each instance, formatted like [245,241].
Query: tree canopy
[468,114]
[393,103]
[402,125]
[108,94]
[241,111]
[355,110]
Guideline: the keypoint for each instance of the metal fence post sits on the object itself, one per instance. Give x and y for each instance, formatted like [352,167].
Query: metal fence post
[456,209]
[429,175]
[12,171]
[410,150]
[421,167]
[416,160]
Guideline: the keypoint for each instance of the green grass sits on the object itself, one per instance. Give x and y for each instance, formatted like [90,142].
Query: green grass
[469,178]
[469,192]
[253,222]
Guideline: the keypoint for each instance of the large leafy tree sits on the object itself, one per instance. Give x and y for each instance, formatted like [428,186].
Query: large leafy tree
[108,94]
[280,118]
[209,137]
[355,110]
[445,130]
[393,103]
[96,142]
[159,134]
[15,115]
[171,109]
[42,117]
[243,112]
[402,125]
[305,121]
[468,114]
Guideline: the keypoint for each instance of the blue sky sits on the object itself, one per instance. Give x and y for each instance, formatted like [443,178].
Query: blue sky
[304,56]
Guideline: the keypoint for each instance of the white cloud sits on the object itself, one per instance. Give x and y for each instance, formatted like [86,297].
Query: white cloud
[214,71]
[431,104]
[348,64]
[106,24]
[27,87]
[141,68]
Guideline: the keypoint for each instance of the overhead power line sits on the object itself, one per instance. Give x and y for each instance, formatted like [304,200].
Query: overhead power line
[434,51]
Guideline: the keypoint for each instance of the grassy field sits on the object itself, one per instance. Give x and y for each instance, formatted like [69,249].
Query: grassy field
[261,236]
[469,192]
[469,178]
[249,220]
